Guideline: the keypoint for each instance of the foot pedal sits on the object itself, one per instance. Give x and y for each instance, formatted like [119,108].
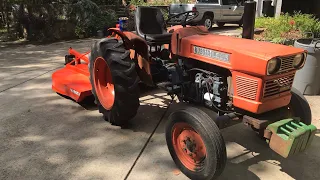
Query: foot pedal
[290,136]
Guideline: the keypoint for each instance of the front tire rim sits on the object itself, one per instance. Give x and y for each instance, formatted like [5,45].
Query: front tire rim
[189,146]
[103,84]
[208,23]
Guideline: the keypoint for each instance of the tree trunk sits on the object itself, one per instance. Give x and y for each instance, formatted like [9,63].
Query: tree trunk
[2,23]
[20,19]
[7,16]
[2,14]
[29,22]
[50,21]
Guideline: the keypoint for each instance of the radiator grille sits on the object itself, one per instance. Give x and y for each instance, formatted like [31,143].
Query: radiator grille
[286,63]
[246,87]
[276,86]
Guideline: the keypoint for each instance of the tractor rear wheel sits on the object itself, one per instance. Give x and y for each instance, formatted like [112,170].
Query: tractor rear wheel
[114,81]
[196,144]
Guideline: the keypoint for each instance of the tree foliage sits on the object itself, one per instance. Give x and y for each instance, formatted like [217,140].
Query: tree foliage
[52,19]
[90,18]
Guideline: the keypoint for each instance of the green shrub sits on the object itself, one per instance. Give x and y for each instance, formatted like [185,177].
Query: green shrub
[287,27]
[307,23]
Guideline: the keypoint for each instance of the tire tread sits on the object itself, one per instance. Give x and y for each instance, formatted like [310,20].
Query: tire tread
[124,77]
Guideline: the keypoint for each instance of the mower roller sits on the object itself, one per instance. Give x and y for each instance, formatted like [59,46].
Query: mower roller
[223,79]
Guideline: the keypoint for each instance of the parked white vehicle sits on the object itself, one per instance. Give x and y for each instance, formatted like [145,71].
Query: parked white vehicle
[212,11]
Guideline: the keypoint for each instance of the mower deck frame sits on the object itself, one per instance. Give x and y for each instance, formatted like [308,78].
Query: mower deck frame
[74,79]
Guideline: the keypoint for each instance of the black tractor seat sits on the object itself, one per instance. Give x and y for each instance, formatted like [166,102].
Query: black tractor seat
[158,38]
[150,26]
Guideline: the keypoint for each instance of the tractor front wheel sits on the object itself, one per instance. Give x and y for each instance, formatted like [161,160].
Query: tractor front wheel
[299,107]
[114,81]
[196,144]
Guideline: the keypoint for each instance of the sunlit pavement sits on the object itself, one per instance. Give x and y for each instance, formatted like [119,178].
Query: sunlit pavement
[46,136]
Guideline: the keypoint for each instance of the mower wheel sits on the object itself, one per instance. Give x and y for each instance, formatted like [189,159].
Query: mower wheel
[299,107]
[196,144]
[114,81]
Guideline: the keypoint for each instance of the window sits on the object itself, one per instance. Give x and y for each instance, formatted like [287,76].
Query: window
[210,1]
[229,2]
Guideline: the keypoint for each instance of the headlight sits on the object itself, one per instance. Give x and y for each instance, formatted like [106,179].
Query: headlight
[274,65]
[298,60]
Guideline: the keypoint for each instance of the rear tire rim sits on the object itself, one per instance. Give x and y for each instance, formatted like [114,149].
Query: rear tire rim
[103,84]
[189,146]
[208,23]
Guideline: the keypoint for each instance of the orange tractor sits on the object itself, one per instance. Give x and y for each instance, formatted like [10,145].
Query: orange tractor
[224,79]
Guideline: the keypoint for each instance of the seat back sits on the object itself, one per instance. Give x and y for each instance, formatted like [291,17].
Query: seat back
[149,20]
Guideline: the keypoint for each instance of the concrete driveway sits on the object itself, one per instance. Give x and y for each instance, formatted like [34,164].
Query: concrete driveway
[46,136]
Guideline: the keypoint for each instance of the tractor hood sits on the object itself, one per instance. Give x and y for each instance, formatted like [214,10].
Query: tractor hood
[247,56]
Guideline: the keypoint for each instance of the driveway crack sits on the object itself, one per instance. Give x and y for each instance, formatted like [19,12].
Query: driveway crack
[147,142]
[28,80]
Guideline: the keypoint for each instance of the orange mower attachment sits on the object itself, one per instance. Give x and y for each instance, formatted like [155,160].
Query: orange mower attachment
[109,75]
[73,80]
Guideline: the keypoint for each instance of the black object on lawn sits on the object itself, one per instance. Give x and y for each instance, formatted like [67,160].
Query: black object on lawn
[249,18]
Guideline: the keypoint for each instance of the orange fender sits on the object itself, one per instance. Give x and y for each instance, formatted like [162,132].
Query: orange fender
[138,52]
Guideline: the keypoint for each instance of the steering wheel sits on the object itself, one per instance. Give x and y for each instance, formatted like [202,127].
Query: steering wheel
[179,19]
